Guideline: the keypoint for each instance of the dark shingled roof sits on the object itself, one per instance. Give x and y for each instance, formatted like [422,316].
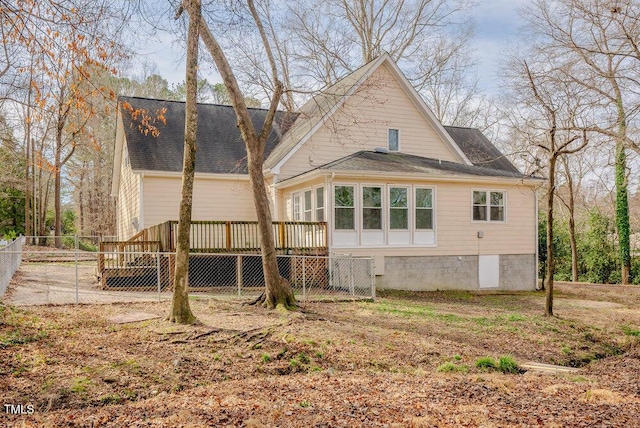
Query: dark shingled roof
[221,149]
[479,149]
[404,163]
[220,146]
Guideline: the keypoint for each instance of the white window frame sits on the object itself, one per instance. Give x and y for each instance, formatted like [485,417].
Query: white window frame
[307,211]
[296,207]
[408,188]
[317,208]
[381,207]
[488,206]
[433,207]
[356,204]
[385,237]
[389,139]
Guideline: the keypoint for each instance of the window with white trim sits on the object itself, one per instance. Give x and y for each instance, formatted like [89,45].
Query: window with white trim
[488,205]
[371,208]
[320,204]
[424,209]
[296,207]
[394,140]
[398,208]
[307,205]
[344,207]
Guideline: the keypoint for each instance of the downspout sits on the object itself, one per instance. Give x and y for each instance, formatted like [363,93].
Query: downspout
[329,208]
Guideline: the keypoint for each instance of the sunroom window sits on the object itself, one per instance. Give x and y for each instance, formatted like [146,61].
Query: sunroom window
[344,208]
[372,208]
[320,204]
[424,208]
[398,208]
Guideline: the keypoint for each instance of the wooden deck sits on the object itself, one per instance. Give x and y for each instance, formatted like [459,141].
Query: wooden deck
[127,262]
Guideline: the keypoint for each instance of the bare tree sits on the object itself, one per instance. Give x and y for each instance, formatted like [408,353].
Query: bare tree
[277,290]
[180,309]
[546,112]
[319,42]
[600,41]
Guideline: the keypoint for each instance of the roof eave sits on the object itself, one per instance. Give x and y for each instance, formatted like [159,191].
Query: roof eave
[529,181]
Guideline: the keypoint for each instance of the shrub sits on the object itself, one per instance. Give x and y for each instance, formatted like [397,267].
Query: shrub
[507,364]
[486,363]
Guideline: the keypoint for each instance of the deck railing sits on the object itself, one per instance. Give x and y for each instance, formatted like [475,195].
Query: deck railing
[241,236]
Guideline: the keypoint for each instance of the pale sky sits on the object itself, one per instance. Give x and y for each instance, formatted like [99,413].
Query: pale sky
[497,28]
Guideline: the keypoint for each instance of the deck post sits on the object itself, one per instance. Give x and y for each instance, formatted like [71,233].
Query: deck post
[281,235]
[101,264]
[228,233]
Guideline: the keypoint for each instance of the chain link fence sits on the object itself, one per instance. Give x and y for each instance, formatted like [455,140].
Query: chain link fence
[80,273]
[10,258]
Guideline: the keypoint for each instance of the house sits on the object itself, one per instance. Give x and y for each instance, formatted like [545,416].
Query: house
[438,207]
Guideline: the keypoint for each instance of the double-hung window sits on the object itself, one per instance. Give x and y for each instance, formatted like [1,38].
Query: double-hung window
[320,204]
[307,205]
[488,206]
[398,208]
[424,209]
[296,207]
[344,207]
[372,208]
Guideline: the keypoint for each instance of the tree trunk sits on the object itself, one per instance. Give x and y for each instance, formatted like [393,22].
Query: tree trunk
[548,307]
[622,212]
[57,185]
[277,291]
[180,309]
[571,205]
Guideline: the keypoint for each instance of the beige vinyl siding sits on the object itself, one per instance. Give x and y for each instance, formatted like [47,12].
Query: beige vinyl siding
[213,199]
[456,233]
[128,206]
[362,123]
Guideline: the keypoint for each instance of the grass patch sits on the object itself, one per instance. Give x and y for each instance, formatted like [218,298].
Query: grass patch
[79,385]
[486,363]
[504,364]
[630,331]
[14,338]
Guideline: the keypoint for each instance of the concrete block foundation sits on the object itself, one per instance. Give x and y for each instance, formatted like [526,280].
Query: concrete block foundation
[430,273]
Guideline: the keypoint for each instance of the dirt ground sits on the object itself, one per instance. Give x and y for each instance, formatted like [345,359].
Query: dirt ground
[408,359]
